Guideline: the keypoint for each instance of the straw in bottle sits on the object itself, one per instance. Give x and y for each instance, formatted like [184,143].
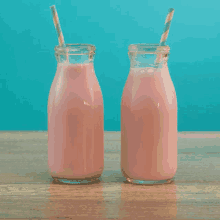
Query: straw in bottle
[57,26]
[166,27]
[165,32]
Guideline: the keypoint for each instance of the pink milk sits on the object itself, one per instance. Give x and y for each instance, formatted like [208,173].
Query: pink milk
[148,118]
[75,118]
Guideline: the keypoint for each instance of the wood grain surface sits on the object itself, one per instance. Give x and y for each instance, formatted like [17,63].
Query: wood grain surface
[28,191]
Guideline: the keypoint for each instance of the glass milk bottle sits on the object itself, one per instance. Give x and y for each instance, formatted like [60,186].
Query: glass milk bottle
[75,117]
[149,117]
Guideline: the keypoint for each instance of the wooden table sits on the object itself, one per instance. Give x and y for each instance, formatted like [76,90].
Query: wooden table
[27,190]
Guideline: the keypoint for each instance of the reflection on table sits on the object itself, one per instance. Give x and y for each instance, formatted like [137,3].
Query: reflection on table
[76,201]
[149,202]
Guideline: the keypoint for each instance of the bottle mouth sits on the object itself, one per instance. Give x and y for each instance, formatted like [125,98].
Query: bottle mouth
[148,49]
[75,49]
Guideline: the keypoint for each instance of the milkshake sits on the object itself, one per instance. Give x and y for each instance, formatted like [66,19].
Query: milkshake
[149,118]
[75,118]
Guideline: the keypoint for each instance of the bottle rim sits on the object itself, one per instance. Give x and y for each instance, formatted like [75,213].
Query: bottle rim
[148,49]
[75,49]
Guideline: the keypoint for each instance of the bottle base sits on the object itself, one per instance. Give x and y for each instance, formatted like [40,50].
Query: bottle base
[75,181]
[149,182]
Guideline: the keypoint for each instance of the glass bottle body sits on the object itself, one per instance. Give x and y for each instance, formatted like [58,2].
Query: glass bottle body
[149,118]
[75,118]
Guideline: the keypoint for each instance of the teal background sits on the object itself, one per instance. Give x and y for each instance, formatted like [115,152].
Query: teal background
[28,64]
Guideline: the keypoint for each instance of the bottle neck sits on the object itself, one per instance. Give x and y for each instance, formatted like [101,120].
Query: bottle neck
[75,59]
[147,60]
[75,54]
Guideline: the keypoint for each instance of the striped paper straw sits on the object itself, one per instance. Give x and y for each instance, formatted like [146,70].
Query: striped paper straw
[57,26]
[165,32]
[166,27]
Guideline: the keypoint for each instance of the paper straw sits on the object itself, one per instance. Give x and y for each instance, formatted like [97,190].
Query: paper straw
[57,26]
[165,33]
[166,27]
